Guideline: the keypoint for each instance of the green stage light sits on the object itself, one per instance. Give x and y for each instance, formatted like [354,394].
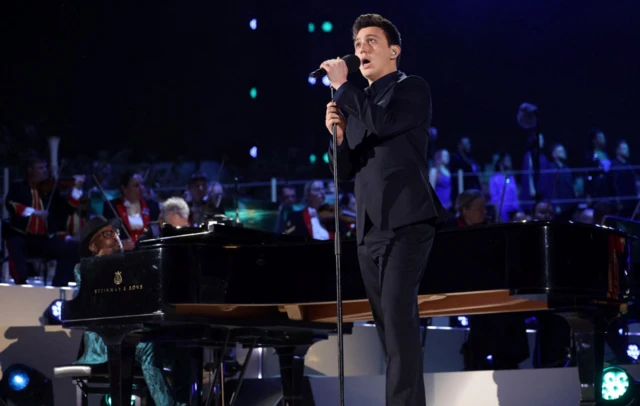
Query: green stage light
[325,157]
[312,158]
[615,383]
[253,92]
[327,26]
[312,27]
[107,400]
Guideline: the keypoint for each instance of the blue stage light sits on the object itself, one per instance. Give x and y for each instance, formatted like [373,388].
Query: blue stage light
[312,81]
[325,81]
[23,385]
[253,152]
[18,380]
[463,320]
[253,24]
[56,309]
[52,315]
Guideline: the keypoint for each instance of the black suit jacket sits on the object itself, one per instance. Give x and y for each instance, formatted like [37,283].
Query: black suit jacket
[20,193]
[385,149]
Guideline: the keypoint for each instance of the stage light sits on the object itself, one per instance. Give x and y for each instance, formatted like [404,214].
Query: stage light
[615,383]
[18,380]
[464,321]
[52,315]
[312,27]
[312,81]
[253,92]
[325,81]
[106,400]
[325,157]
[633,351]
[312,158]
[253,152]
[327,26]
[253,24]
[25,386]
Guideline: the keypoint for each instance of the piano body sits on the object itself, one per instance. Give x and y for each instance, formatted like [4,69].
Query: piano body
[229,285]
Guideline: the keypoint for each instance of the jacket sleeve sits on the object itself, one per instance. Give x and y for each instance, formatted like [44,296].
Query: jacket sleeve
[409,107]
[15,204]
[346,161]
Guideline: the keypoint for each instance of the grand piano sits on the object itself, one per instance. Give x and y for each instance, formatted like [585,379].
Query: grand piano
[224,285]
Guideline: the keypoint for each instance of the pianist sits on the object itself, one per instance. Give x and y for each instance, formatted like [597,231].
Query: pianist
[100,237]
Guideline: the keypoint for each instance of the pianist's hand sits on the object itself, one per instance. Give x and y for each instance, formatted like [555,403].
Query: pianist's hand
[334,116]
[128,245]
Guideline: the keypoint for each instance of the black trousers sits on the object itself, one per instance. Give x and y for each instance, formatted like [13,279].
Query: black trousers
[21,247]
[392,265]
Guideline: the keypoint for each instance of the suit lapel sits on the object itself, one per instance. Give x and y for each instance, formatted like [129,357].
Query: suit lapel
[355,130]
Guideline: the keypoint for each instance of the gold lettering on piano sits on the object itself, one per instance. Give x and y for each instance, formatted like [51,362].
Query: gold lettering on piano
[118,278]
[119,289]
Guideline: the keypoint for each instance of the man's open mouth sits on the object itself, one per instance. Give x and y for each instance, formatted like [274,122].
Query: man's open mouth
[365,63]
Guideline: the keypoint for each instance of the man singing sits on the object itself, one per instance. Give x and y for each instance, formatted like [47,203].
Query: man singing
[383,143]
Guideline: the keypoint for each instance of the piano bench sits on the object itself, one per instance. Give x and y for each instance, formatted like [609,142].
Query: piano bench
[94,379]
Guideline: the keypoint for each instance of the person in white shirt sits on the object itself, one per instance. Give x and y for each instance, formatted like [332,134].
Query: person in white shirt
[316,219]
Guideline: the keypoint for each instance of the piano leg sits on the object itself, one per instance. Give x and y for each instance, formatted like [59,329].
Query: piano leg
[121,355]
[588,333]
[294,384]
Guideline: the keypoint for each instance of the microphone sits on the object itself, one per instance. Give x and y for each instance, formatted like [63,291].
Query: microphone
[352,61]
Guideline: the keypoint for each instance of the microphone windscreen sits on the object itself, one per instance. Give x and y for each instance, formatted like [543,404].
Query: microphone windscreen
[352,61]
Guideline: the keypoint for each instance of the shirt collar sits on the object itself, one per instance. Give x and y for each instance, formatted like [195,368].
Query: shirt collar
[382,83]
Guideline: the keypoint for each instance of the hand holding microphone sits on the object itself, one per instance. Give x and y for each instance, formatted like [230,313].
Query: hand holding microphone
[336,72]
[334,116]
[337,69]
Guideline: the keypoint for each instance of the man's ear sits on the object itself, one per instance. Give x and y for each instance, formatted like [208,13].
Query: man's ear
[395,51]
[93,248]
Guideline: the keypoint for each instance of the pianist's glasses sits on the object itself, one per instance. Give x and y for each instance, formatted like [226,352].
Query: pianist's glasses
[107,233]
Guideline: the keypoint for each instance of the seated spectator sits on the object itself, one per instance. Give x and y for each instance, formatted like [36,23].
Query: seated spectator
[470,209]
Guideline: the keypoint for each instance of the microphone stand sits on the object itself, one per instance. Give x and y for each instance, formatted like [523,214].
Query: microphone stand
[337,250]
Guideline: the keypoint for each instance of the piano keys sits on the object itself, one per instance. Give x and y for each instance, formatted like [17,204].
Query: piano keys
[265,289]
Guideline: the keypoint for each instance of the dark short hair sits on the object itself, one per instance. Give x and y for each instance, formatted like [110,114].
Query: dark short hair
[593,131]
[556,145]
[466,199]
[126,177]
[198,176]
[620,142]
[375,20]
[34,159]
[501,157]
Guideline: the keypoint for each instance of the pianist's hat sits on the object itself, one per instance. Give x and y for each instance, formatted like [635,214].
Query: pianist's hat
[90,229]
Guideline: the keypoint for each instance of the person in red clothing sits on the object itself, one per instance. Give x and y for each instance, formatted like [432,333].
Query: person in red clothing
[309,222]
[34,224]
[135,212]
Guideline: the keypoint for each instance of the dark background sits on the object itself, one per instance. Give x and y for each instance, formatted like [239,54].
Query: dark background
[173,78]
